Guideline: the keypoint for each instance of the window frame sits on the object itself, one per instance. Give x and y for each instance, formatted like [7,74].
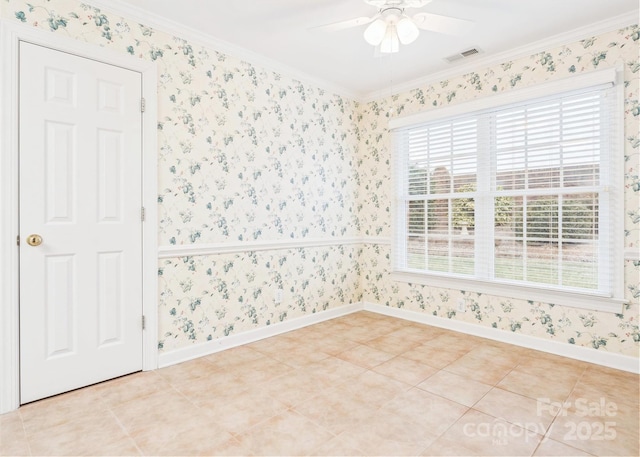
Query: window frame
[539,293]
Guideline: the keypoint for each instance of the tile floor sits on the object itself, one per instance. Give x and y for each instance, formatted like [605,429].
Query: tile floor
[362,384]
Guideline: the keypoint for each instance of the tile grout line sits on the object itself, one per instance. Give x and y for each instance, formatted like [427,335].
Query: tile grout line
[332,370]
[547,435]
[472,408]
[124,429]
[24,430]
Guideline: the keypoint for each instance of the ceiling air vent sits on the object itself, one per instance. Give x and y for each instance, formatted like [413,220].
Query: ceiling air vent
[462,55]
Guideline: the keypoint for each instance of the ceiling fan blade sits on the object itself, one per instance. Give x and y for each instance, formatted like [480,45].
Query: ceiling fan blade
[335,26]
[401,3]
[442,24]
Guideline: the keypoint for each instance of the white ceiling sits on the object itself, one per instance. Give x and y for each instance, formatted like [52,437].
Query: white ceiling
[280,32]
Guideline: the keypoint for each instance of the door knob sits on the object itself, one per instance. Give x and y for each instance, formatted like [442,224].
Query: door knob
[34,240]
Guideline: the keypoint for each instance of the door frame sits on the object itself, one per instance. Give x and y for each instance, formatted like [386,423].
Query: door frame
[11,34]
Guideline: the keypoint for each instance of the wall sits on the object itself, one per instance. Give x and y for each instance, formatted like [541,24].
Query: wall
[249,156]
[603,331]
[246,156]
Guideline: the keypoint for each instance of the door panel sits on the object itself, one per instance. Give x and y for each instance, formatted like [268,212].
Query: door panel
[110,296]
[110,192]
[59,162]
[80,190]
[60,314]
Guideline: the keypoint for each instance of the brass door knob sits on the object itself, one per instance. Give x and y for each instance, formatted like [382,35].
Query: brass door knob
[34,240]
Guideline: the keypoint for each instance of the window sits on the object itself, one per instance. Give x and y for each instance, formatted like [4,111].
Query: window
[520,198]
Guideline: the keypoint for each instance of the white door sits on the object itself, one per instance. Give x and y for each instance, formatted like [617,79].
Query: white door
[80,192]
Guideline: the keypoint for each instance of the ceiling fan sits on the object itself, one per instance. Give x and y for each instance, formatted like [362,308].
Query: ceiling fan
[391,26]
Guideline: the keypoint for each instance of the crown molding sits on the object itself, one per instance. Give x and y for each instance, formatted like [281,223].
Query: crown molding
[169,26]
[197,37]
[482,61]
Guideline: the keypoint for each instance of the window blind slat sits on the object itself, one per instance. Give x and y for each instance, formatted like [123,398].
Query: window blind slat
[547,191]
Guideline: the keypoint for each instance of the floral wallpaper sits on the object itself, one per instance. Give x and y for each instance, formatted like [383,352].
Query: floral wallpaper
[604,331]
[206,297]
[247,154]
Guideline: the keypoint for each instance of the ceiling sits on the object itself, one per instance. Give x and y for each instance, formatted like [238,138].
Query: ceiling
[281,33]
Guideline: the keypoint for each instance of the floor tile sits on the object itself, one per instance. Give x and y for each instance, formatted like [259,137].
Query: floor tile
[91,435]
[287,434]
[336,410]
[55,411]
[460,389]
[367,332]
[479,434]
[431,411]
[539,363]
[241,412]
[361,384]
[549,447]
[128,388]
[590,402]
[204,389]
[387,434]
[13,439]
[597,425]
[617,386]
[231,447]
[497,354]
[337,446]
[392,344]
[332,371]
[335,345]
[373,388]
[224,360]
[418,332]
[405,370]
[479,369]
[434,356]
[334,326]
[544,385]
[294,387]
[454,341]
[595,435]
[522,411]
[274,345]
[157,409]
[201,437]
[260,370]
[365,356]
[300,356]
[188,371]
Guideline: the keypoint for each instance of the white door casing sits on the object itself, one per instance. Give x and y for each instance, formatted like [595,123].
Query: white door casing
[80,191]
[11,35]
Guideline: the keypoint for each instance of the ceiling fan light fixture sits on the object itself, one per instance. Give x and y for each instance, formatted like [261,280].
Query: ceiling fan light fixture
[407,30]
[390,42]
[375,33]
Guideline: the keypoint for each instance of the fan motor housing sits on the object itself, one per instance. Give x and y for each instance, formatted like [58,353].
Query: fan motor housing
[397,4]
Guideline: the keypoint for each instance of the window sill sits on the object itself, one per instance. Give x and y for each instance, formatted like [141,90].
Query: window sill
[551,296]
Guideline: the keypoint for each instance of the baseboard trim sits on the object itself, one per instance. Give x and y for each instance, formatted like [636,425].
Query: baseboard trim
[221,344]
[607,359]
